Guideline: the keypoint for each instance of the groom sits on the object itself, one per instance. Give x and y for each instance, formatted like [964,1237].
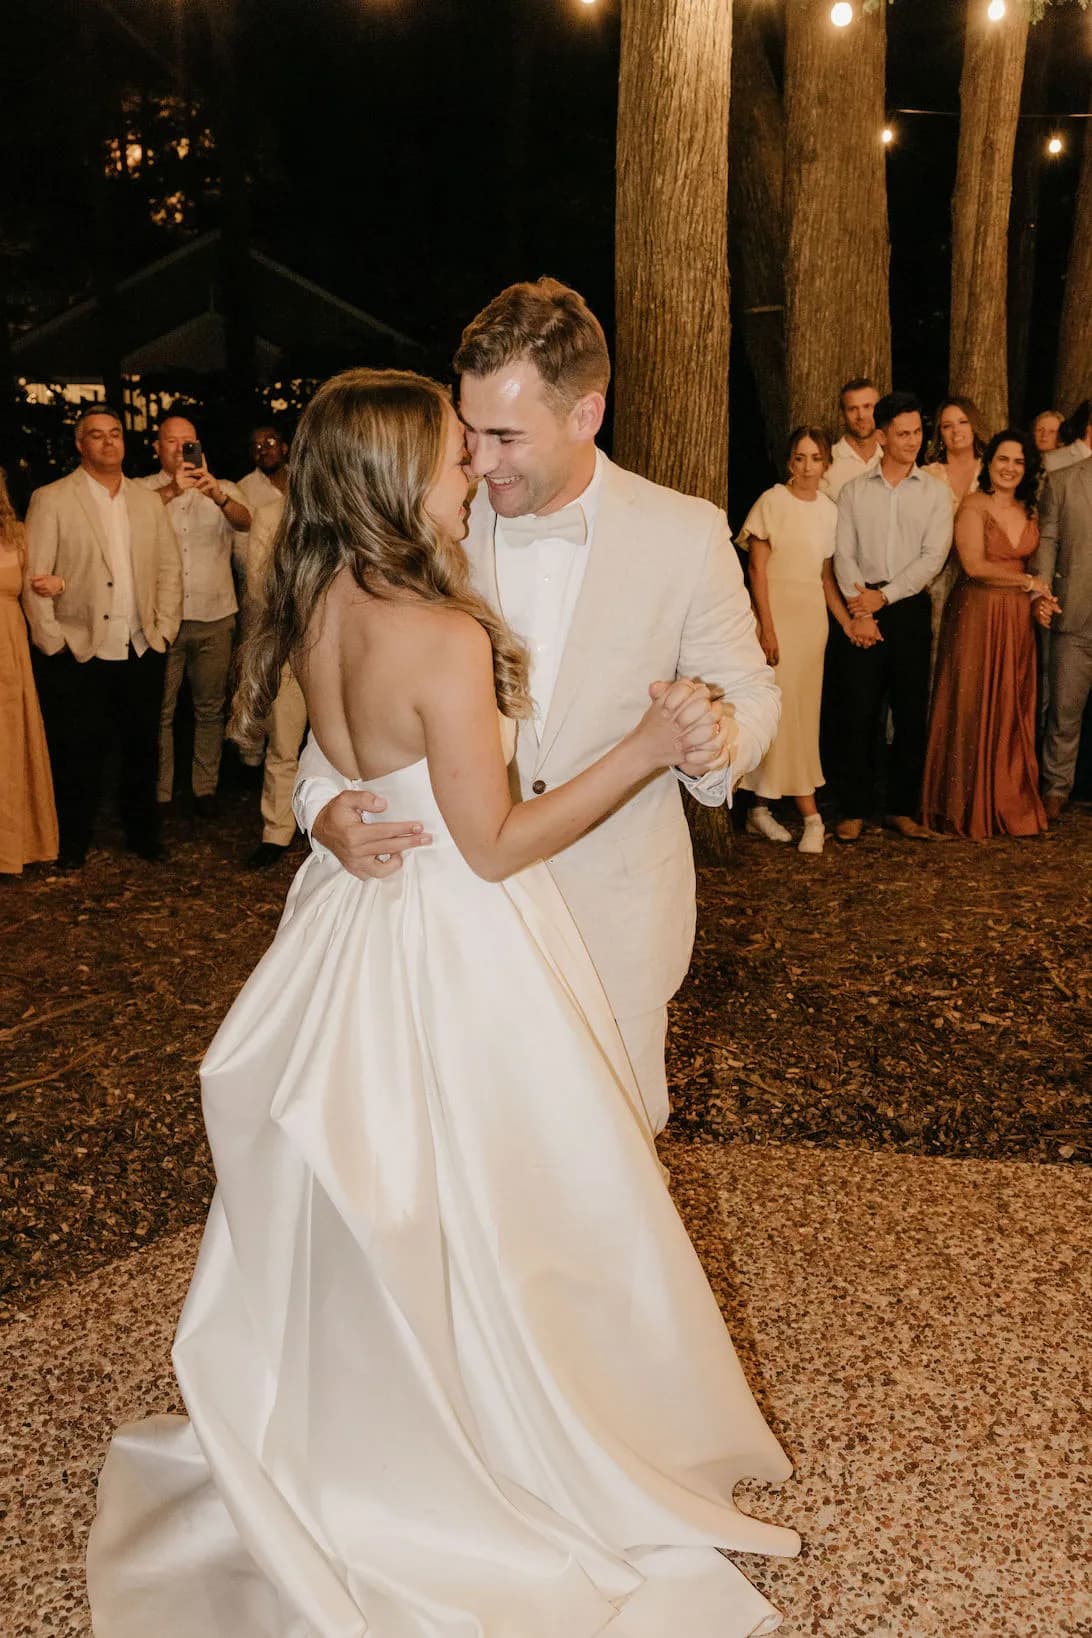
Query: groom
[609,580]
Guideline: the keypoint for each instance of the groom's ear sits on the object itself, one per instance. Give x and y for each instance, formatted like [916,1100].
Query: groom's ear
[586,415]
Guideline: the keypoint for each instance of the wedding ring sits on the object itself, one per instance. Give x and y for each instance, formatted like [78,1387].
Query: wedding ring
[382,858]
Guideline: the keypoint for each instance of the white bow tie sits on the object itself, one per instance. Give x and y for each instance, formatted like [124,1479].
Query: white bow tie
[568,524]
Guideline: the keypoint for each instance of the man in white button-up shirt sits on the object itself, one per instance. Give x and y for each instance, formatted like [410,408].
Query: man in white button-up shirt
[613,583]
[858,451]
[894,533]
[208,516]
[103,598]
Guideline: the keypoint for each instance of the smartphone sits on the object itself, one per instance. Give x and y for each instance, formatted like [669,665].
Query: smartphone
[191,452]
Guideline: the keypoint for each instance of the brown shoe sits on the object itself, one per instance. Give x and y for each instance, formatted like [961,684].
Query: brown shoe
[905,826]
[1054,806]
[849,830]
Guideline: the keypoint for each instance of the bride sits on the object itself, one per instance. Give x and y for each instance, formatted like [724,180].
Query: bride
[451,1364]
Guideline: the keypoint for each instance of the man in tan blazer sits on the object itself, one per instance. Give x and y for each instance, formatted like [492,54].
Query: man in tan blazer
[103,597]
[613,582]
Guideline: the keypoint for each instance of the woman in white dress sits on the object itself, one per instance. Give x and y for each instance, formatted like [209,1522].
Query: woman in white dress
[451,1364]
[789,539]
[954,458]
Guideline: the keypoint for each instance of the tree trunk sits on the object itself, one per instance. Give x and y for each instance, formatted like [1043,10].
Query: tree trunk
[756,225]
[838,311]
[989,108]
[671,244]
[1024,222]
[1074,378]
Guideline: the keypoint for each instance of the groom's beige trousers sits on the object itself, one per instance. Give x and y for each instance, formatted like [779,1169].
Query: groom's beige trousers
[644,1038]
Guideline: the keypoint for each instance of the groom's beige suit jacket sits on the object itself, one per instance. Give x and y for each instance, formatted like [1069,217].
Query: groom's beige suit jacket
[663,596]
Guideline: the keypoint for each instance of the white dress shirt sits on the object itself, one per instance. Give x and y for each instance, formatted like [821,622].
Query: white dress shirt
[123,627]
[258,490]
[206,542]
[1056,460]
[538,584]
[845,463]
[895,536]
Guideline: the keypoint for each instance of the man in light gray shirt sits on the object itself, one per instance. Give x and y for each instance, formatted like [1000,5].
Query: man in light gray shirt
[894,533]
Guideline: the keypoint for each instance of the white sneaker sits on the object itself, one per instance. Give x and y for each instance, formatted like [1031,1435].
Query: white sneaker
[814,835]
[761,822]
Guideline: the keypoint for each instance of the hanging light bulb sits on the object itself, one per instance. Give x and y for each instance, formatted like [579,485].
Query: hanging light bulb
[1055,145]
[841,14]
[995,10]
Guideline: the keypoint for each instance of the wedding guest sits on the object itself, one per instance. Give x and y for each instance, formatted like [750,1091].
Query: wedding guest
[858,450]
[268,480]
[789,538]
[894,532]
[287,722]
[100,631]
[28,817]
[1045,429]
[981,775]
[1064,560]
[1074,439]
[207,516]
[955,458]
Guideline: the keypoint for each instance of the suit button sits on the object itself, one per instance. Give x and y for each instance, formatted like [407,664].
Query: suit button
[106,617]
[539,786]
[109,585]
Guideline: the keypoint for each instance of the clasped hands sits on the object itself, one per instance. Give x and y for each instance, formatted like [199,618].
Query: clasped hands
[372,849]
[863,632]
[1044,603]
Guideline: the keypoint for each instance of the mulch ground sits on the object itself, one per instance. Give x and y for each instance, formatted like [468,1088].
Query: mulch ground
[933,999]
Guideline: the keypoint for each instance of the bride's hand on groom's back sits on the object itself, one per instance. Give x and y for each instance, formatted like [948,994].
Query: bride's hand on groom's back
[367,849]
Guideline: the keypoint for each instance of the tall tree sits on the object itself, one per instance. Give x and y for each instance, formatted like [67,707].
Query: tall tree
[756,225]
[989,108]
[671,243]
[1074,378]
[838,317]
[1024,217]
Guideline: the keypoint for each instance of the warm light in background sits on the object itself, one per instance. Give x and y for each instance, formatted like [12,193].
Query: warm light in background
[1055,145]
[841,14]
[887,135]
[995,10]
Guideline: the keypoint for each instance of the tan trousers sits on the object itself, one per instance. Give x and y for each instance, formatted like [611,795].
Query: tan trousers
[644,1038]
[287,726]
[202,651]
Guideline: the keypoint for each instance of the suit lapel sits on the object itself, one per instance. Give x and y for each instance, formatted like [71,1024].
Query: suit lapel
[90,512]
[603,580]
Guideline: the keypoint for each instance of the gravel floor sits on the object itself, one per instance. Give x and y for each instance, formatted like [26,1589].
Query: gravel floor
[929,999]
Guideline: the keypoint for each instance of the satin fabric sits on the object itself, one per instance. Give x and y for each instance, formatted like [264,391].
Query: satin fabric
[451,1364]
[981,773]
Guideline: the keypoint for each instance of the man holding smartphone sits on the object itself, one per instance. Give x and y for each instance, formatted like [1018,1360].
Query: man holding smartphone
[208,517]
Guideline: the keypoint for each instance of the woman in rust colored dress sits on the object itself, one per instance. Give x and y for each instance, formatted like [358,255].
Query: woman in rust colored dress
[981,773]
[28,819]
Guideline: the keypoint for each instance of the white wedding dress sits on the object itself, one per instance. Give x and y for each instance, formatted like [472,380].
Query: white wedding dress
[452,1367]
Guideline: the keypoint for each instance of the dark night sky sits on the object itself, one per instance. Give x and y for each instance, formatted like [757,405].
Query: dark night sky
[415,155]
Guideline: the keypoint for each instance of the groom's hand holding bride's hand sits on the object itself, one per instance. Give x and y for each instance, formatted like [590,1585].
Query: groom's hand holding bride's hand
[711,734]
[367,850]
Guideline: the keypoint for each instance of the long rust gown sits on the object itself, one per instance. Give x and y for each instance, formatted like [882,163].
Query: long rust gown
[981,771]
[28,818]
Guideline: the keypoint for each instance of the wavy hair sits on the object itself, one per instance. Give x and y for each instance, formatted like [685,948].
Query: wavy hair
[11,529]
[1027,487]
[367,451]
[938,450]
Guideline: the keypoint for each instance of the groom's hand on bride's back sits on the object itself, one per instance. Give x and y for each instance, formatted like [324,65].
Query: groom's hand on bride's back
[369,849]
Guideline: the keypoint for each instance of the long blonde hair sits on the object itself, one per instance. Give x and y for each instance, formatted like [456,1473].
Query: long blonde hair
[11,529]
[367,451]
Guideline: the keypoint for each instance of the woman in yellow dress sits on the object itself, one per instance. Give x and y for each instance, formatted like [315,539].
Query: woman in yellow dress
[28,818]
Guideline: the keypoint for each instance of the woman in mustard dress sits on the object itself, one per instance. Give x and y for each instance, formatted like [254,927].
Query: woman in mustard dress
[28,818]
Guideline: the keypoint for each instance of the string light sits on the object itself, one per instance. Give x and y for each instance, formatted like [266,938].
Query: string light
[887,136]
[841,14]
[995,10]
[1055,145]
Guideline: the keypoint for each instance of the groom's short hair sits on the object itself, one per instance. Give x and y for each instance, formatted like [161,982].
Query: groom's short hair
[549,325]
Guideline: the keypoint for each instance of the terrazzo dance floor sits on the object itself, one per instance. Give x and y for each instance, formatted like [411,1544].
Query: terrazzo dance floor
[919,1332]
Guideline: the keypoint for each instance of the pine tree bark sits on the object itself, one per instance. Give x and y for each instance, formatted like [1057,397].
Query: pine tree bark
[989,108]
[1027,170]
[1074,376]
[838,311]
[671,244]
[756,223]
